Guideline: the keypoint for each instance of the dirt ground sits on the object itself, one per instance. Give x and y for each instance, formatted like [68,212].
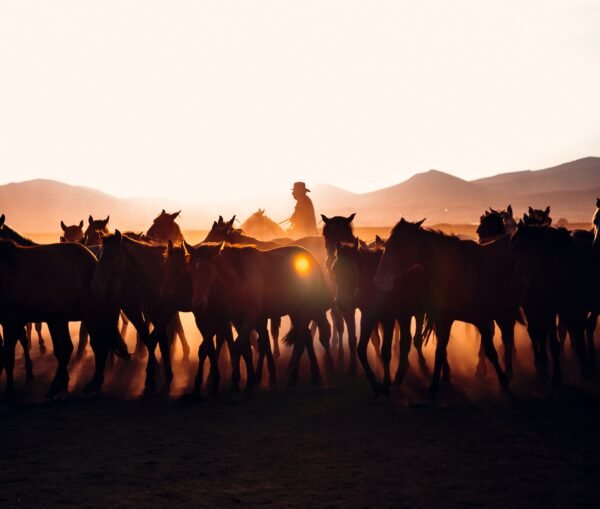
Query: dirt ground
[329,446]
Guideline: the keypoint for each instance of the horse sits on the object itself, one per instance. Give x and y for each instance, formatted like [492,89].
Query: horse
[354,269]
[470,283]
[262,227]
[247,286]
[164,228]
[8,233]
[129,274]
[177,288]
[554,276]
[62,275]
[95,230]
[73,233]
[537,217]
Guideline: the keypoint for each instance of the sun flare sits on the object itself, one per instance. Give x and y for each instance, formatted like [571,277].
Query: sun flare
[302,264]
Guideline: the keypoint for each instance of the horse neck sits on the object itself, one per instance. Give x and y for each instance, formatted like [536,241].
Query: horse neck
[10,234]
[145,261]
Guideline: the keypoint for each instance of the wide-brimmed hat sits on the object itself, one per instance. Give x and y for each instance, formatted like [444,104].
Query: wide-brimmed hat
[300,186]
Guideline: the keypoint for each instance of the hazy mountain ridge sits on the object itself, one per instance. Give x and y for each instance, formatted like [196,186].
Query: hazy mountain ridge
[570,188]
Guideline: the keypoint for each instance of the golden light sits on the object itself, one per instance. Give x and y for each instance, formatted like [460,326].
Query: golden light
[302,264]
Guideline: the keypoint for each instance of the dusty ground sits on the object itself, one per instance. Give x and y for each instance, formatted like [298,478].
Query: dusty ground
[333,446]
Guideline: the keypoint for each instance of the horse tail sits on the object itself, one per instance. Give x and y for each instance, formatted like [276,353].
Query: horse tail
[293,337]
[428,328]
[118,346]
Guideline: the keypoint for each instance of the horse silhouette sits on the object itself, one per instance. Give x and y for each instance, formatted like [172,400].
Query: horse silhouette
[62,275]
[73,233]
[164,228]
[247,286]
[262,227]
[470,283]
[354,268]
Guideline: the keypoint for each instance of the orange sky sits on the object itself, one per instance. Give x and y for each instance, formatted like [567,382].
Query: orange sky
[206,100]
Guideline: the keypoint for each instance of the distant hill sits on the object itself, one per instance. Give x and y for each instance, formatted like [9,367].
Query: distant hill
[571,190]
[39,206]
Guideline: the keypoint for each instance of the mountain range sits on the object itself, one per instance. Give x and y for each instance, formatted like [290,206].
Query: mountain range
[570,188]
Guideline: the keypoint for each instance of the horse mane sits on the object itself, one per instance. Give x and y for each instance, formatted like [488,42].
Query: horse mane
[7,233]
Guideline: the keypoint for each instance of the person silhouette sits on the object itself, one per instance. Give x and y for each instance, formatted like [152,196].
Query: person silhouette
[303,220]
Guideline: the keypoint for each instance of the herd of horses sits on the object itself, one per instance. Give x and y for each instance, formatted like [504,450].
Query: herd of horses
[529,271]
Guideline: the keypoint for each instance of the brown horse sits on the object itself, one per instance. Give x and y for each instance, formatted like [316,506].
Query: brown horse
[73,233]
[8,233]
[95,230]
[261,226]
[164,228]
[246,286]
[554,276]
[129,275]
[470,283]
[61,274]
[537,217]
[354,268]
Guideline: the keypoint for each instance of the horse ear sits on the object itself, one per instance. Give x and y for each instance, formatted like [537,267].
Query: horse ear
[118,236]
[175,214]
[81,224]
[378,239]
[547,211]
[509,210]
[420,223]
[350,218]
[214,224]
[325,218]
[530,211]
[2,219]
[106,220]
[402,220]
[63,226]
[163,212]
[90,219]
[520,224]
[220,220]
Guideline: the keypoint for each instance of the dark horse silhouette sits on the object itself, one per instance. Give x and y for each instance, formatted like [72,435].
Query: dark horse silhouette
[62,275]
[95,230]
[554,276]
[164,228]
[73,233]
[470,283]
[7,233]
[354,268]
[130,275]
[246,286]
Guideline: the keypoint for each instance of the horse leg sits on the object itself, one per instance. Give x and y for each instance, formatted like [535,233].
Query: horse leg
[264,344]
[487,338]
[388,325]
[11,335]
[150,383]
[562,334]
[182,338]
[366,327]
[315,377]
[243,345]
[338,327]
[590,328]
[41,344]
[26,356]
[99,336]
[418,339]
[442,331]
[376,341]
[555,351]
[481,369]
[405,343]
[83,339]
[275,326]
[324,339]
[28,328]
[576,325]
[165,352]
[63,348]
[507,329]
[349,319]
[299,342]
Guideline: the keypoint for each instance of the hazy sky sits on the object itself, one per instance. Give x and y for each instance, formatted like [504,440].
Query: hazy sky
[204,100]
